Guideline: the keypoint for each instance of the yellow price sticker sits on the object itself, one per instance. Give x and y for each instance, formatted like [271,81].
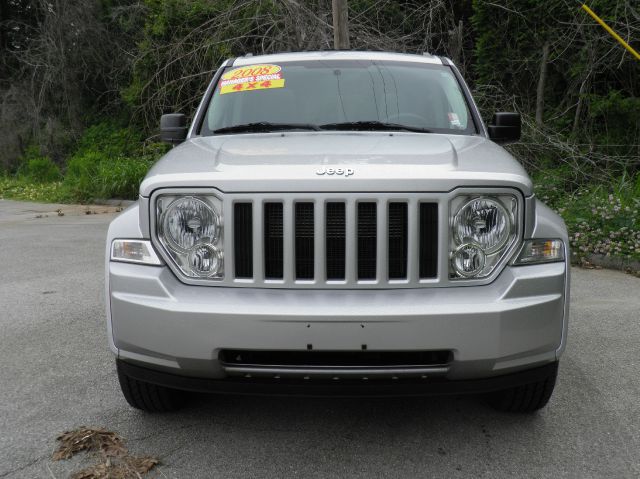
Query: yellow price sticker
[254,77]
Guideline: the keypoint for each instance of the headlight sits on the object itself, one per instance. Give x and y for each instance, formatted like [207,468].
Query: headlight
[189,221]
[483,221]
[190,231]
[468,260]
[482,230]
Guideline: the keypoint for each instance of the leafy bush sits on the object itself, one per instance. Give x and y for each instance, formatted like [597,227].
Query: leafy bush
[121,177]
[110,139]
[110,162]
[81,177]
[40,169]
[602,219]
[95,175]
[605,224]
[617,117]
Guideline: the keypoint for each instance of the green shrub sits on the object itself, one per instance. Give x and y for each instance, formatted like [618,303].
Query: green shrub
[110,139]
[110,162]
[121,177]
[602,219]
[96,175]
[39,170]
[607,224]
[81,177]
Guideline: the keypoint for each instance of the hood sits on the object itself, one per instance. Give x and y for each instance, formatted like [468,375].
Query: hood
[337,161]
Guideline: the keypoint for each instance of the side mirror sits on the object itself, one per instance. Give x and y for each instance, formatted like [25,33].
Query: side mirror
[173,128]
[505,127]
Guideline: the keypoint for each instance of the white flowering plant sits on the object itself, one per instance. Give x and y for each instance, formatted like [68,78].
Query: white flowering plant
[602,219]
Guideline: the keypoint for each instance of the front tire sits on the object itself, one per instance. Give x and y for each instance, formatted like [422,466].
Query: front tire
[149,397]
[527,398]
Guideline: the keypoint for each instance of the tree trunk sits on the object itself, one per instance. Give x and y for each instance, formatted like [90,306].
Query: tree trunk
[340,25]
[541,81]
[576,118]
[456,44]
[584,86]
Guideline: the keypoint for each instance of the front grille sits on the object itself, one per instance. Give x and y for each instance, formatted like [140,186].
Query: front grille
[361,240]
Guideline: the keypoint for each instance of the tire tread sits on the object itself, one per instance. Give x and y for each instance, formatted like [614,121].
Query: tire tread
[527,398]
[148,397]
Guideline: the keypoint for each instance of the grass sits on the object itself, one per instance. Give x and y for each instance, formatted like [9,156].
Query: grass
[88,178]
[26,190]
[109,161]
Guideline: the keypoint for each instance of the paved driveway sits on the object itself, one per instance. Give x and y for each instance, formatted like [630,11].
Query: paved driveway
[57,374]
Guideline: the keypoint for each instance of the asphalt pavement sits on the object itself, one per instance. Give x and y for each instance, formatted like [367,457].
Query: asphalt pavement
[57,373]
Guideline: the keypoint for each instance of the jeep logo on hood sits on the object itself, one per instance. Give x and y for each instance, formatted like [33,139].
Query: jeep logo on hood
[335,171]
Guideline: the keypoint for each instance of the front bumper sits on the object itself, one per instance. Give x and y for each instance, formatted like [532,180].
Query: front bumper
[516,323]
[434,386]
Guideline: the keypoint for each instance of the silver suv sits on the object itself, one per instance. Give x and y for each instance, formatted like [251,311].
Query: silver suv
[338,223]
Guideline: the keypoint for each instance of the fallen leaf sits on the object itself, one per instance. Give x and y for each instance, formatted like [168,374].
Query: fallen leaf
[115,461]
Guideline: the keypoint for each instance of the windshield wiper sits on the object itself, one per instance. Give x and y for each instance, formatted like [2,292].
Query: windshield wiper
[372,126]
[265,126]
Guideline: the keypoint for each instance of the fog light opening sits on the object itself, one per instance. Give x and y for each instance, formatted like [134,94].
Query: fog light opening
[468,260]
[205,260]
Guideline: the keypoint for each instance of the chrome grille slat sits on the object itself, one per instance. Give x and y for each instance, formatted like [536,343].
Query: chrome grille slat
[258,246]
[413,240]
[288,266]
[351,252]
[382,246]
[319,263]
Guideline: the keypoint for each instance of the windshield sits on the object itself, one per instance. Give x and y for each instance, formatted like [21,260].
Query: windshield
[338,95]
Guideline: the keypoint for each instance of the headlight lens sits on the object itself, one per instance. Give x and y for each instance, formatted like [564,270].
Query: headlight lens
[189,221]
[190,231]
[468,260]
[205,259]
[482,230]
[483,221]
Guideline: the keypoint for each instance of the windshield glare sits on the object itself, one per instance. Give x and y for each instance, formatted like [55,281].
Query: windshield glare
[321,92]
